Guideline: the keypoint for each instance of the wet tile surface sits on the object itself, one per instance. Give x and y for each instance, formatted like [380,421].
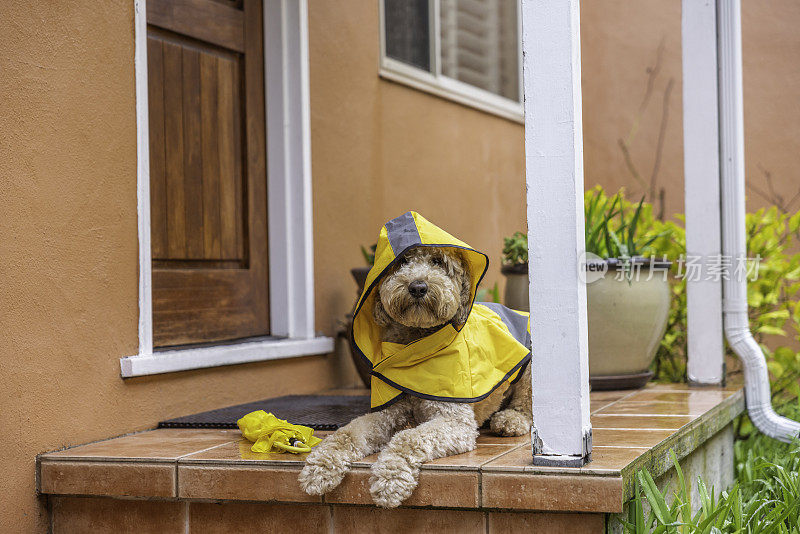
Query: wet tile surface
[672,395]
[487,438]
[636,407]
[482,455]
[653,422]
[448,489]
[239,452]
[630,430]
[612,460]
[165,444]
[573,493]
[605,461]
[472,460]
[612,437]
[123,479]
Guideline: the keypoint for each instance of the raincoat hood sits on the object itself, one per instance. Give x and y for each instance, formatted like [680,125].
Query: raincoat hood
[456,363]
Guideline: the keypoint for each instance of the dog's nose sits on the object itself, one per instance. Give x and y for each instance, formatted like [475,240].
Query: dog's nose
[417,288]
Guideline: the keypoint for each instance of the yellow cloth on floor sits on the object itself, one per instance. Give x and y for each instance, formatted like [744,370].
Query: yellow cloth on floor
[270,434]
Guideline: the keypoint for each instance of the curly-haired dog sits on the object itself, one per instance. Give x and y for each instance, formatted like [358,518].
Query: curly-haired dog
[424,289]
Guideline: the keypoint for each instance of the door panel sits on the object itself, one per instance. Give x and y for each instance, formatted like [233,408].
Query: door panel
[207,171]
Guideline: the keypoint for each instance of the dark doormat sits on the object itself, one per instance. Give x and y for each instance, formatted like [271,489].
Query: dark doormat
[320,412]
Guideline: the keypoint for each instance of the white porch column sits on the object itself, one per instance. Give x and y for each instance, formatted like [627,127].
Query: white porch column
[554,177]
[702,191]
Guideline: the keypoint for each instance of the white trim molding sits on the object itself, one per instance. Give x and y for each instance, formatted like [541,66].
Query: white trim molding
[168,361]
[143,179]
[291,252]
[291,249]
[437,84]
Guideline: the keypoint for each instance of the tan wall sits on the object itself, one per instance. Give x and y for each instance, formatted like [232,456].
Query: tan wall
[380,149]
[620,44]
[68,243]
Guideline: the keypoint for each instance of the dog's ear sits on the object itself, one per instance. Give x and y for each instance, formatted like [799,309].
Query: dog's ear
[466,294]
[379,314]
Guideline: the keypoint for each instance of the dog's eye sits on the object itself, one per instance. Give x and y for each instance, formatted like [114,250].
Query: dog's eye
[402,261]
[438,261]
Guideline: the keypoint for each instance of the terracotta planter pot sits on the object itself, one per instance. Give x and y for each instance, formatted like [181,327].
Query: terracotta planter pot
[626,321]
[360,276]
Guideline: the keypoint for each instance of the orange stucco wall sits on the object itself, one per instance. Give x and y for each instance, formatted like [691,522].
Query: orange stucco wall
[68,240]
[380,149]
[620,46]
[68,237]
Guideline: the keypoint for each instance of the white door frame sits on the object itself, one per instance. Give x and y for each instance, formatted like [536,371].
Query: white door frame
[291,253]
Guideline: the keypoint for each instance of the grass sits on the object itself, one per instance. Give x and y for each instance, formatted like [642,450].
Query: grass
[764,499]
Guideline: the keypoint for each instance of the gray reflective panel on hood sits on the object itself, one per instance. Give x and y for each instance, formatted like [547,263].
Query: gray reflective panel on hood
[402,233]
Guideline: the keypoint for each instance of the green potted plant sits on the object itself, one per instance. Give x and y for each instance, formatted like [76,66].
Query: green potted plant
[628,292]
[515,269]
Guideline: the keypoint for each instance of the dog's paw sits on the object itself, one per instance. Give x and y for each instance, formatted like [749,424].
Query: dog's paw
[392,481]
[318,478]
[510,423]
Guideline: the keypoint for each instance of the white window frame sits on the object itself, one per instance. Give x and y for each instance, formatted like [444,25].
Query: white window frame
[291,253]
[442,86]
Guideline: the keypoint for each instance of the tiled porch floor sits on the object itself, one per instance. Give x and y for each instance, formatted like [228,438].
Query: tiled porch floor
[630,430]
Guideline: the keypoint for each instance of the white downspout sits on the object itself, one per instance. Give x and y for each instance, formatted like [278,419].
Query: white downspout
[734,246]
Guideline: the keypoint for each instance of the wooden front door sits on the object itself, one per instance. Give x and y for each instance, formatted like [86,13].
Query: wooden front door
[207,170]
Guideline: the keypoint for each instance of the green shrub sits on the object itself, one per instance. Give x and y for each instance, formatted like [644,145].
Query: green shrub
[765,497]
[772,235]
[616,228]
[774,309]
[772,297]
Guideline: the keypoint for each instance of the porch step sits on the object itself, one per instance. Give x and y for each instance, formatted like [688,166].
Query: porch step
[188,477]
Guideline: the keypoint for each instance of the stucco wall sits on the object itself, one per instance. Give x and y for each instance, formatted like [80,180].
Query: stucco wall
[380,149]
[620,48]
[69,234]
[68,243]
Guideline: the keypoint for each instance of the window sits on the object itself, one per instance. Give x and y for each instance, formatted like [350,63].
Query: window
[464,50]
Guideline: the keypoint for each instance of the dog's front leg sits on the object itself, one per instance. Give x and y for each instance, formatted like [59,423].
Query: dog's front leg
[517,418]
[327,464]
[448,429]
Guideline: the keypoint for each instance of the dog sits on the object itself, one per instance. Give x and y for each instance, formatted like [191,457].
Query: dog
[426,287]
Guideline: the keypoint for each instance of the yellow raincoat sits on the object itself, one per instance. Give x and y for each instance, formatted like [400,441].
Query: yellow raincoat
[451,364]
